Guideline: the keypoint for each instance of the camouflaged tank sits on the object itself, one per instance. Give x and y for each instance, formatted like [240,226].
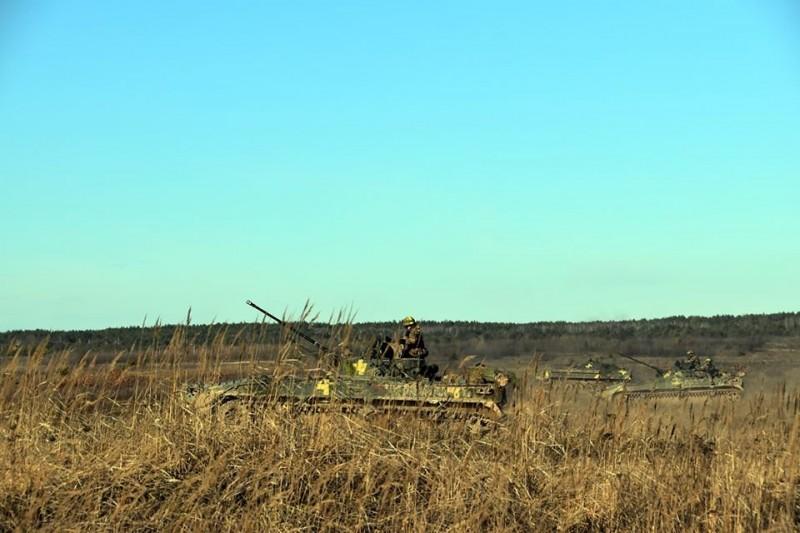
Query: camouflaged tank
[379,382]
[686,379]
[367,386]
[590,372]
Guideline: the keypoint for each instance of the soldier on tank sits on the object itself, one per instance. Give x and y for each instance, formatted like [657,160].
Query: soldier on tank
[692,362]
[709,368]
[412,344]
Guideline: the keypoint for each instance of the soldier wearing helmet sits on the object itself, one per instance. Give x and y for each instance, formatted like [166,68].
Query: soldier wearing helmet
[709,368]
[690,362]
[411,343]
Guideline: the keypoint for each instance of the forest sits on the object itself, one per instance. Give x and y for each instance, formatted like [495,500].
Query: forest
[661,337]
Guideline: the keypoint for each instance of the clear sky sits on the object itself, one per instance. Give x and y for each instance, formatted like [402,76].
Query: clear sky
[504,161]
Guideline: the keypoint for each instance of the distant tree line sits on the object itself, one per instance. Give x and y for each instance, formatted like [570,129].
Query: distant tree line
[449,339]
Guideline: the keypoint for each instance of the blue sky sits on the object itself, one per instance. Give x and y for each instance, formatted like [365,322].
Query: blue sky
[504,161]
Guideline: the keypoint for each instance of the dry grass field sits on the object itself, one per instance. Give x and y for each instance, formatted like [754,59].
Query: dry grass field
[112,447]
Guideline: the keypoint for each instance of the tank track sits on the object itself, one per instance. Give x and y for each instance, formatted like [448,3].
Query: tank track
[434,413]
[690,393]
[440,412]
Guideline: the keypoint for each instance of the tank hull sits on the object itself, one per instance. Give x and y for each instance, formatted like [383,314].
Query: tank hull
[701,388]
[357,394]
[579,374]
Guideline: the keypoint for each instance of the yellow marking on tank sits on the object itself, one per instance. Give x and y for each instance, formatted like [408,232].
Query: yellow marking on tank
[455,392]
[360,367]
[324,386]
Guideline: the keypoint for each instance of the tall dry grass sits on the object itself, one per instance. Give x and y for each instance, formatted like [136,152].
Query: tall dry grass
[88,447]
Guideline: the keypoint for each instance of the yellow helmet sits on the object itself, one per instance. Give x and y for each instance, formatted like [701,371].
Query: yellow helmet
[408,321]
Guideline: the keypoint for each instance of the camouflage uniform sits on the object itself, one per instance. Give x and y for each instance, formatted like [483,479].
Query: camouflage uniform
[709,368]
[412,343]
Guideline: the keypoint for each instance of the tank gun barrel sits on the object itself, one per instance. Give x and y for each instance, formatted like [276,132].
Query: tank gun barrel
[648,365]
[282,323]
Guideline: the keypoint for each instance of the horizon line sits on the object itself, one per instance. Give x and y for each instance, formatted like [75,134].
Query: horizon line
[431,321]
